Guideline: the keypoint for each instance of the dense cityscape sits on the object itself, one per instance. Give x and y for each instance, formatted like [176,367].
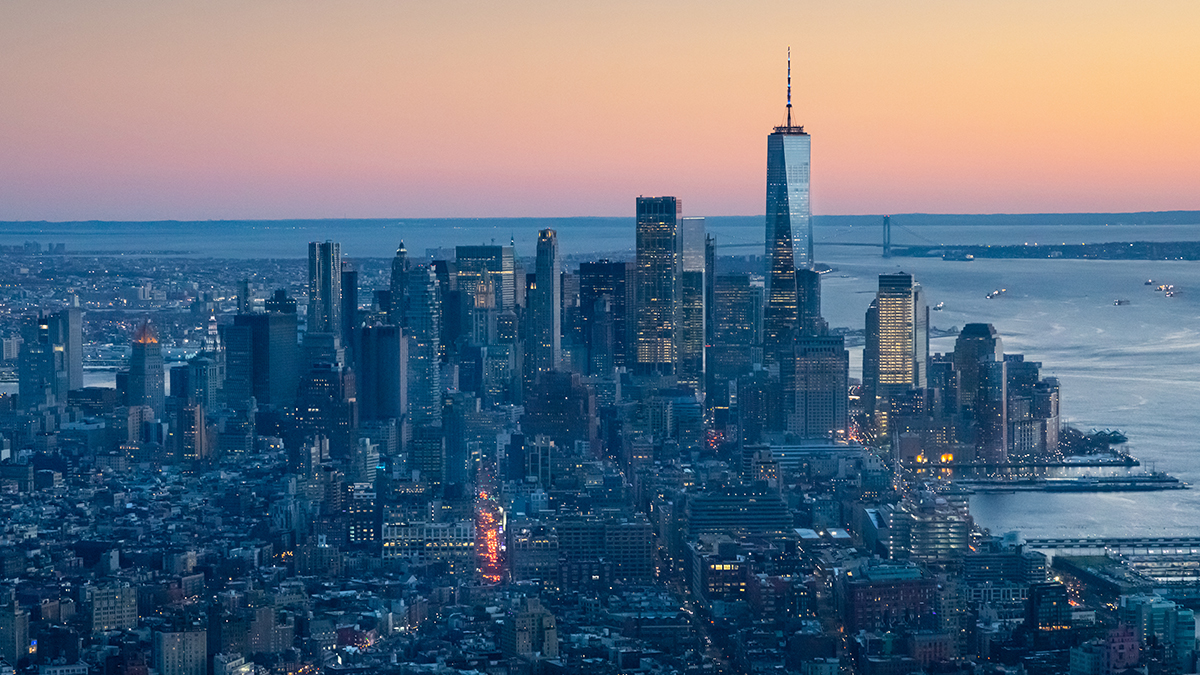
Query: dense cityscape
[461,460]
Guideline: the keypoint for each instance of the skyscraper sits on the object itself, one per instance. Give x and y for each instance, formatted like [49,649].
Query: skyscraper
[382,373]
[423,319]
[545,306]
[324,287]
[808,304]
[146,371]
[692,295]
[51,358]
[349,308]
[658,253]
[262,358]
[399,286]
[789,228]
[817,393]
[475,264]
[612,281]
[896,354]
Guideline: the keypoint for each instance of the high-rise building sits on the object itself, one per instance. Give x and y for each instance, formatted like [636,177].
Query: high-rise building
[614,281]
[475,264]
[817,391]
[146,383]
[324,287]
[658,253]
[896,354]
[399,287]
[710,276]
[51,356]
[262,358]
[327,405]
[424,318]
[349,309]
[981,374]
[692,311]
[545,306]
[382,373]
[808,304]
[789,228]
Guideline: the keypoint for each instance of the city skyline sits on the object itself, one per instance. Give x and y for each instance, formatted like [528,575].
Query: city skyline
[126,111]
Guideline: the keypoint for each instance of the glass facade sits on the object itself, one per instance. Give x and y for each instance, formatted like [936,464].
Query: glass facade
[658,254]
[789,243]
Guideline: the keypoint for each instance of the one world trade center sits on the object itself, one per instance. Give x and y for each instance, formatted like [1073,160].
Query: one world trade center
[789,229]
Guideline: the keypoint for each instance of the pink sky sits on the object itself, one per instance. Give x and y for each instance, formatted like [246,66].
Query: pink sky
[390,108]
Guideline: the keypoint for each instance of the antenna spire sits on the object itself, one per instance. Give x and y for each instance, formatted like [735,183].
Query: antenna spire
[789,98]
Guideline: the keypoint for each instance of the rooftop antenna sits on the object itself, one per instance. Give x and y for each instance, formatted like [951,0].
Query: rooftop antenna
[789,99]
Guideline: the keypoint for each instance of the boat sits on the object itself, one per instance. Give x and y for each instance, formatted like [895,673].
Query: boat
[1118,303]
[1149,282]
[996,293]
[939,307]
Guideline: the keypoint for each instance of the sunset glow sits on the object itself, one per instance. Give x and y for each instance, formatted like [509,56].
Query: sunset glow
[142,110]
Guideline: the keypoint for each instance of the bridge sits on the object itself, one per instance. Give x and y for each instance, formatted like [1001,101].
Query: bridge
[885,244]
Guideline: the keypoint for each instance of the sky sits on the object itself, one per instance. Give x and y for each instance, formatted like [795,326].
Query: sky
[227,109]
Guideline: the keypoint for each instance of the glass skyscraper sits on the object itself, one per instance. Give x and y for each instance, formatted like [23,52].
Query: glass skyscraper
[789,228]
[658,253]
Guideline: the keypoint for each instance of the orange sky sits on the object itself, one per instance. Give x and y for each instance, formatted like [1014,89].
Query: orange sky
[395,108]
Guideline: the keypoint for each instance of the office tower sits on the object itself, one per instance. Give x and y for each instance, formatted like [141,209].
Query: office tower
[981,373]
[896,354]
[692,290]
[657,291]
[324,287]
[738,310]
[808,304]
[349,308]
[789,228]
[560,406]
[204,379]
[51,356]
[146,385]
[545,306]
[262,358]
[327,405]
[977,343]
[710,276]
[611,280]
[423,319]
[382,373]
[399,287]
[45,357]
[477,263]
[816,388]
[244,300]
[574,344]
[190,436]
[601,337]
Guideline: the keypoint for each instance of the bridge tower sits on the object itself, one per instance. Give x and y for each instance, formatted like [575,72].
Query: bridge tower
[887,236]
